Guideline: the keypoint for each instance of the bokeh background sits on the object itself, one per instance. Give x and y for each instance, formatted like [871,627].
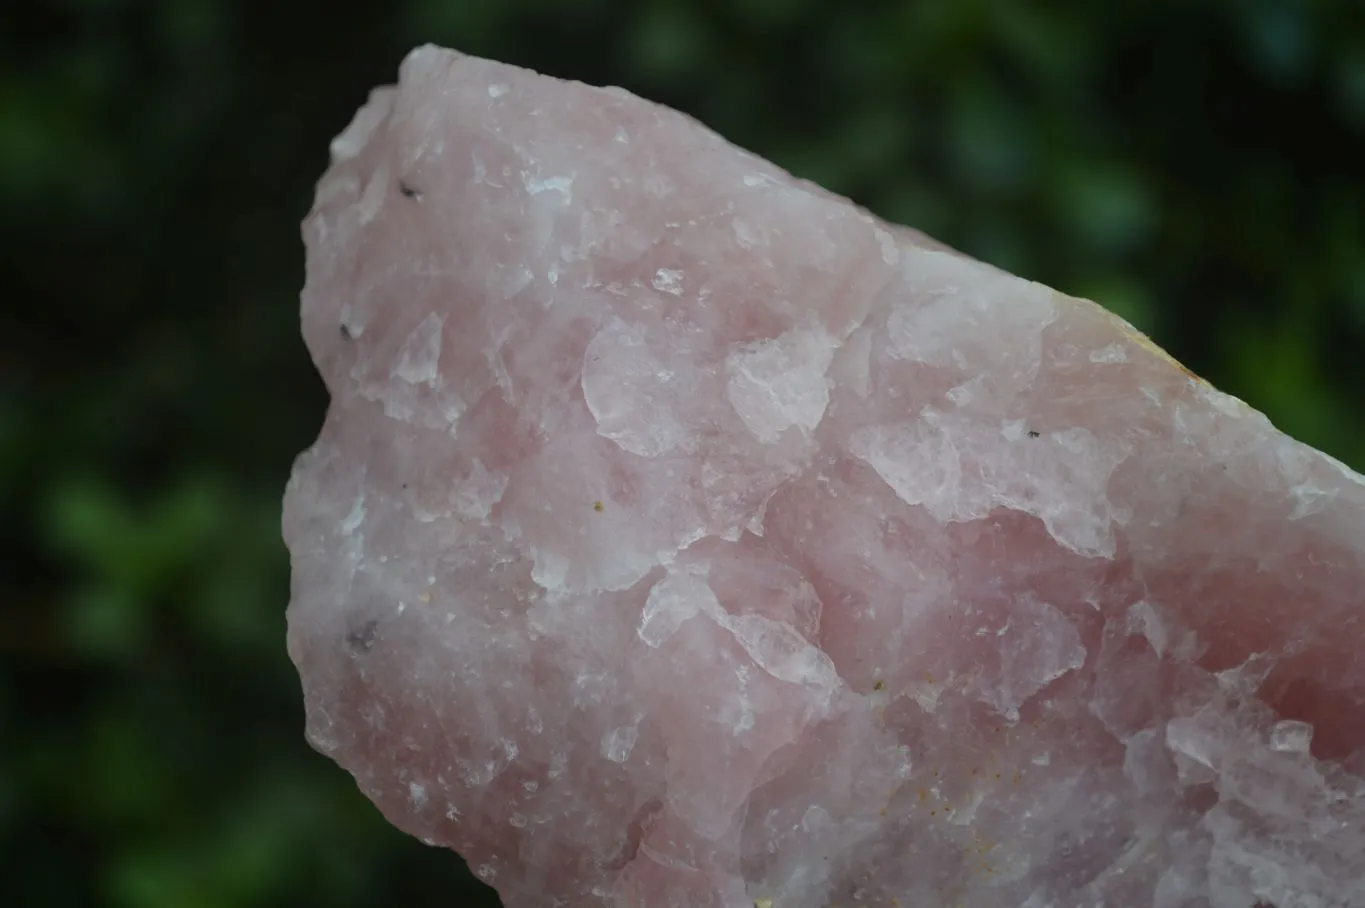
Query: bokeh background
[1197,166]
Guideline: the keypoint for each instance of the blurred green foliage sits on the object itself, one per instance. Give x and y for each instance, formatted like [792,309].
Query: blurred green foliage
[1195,165]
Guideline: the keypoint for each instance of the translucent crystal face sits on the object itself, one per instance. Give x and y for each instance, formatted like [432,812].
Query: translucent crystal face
[681,535]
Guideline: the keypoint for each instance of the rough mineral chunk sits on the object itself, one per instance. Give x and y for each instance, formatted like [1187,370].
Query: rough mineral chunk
[682,535]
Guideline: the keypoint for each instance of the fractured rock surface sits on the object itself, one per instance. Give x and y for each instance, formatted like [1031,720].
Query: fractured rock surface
[682,535]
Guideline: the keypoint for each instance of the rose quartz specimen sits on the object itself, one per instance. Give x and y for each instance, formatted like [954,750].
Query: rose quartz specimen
[682,535]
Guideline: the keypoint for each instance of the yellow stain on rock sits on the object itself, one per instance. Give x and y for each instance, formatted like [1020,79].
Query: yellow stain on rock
[1151,346]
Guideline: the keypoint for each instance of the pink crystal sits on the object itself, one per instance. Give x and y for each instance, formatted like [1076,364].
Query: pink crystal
[682,535]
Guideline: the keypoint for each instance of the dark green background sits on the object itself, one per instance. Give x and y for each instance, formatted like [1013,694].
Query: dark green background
[1197,166]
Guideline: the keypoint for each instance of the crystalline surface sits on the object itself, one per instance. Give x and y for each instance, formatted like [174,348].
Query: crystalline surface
[681,535]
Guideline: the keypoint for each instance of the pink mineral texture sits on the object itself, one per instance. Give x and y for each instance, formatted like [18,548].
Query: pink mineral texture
[680,534]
